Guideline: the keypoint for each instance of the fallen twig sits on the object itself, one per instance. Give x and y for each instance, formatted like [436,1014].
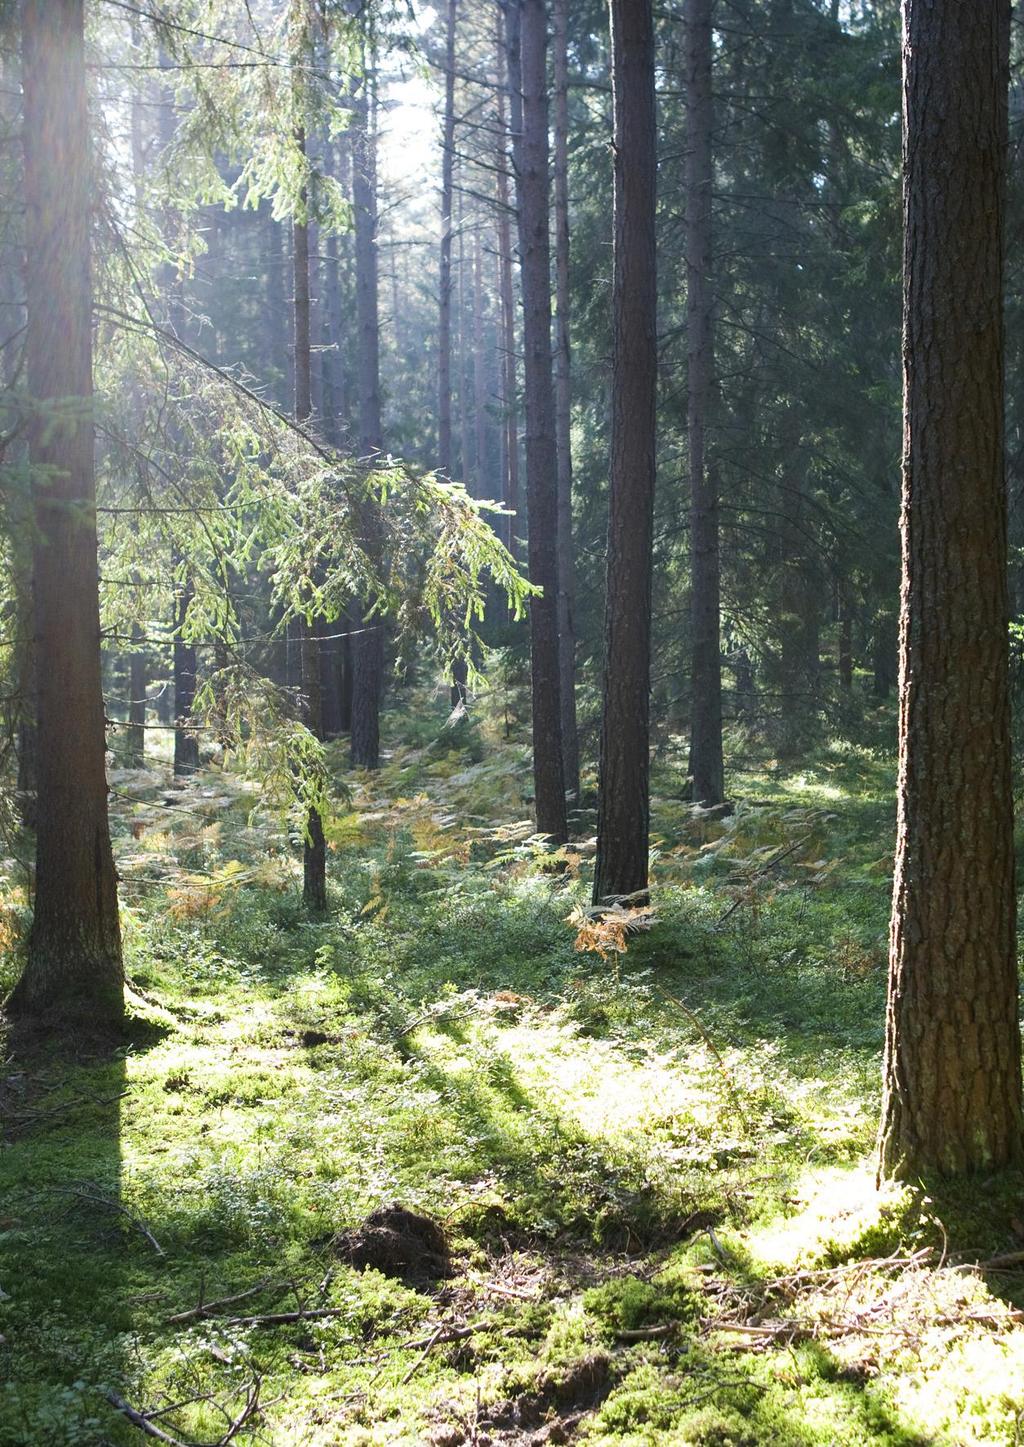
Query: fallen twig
[115,1205]
[646,1333]
[140,1420]
[431,1344]
[282,1318]
[1010,1259]
[251,1404]
[26,1120]
[723,1068]
[763,869]
[509,1291]
[210,1308]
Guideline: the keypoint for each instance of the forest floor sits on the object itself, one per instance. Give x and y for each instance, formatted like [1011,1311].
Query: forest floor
[653,1171]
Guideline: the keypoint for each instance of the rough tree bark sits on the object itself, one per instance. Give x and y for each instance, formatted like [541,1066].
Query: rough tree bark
[952,1084]
[706,665]
[563,409]
[623,817]
[531,167]
[73,976]
[367,644]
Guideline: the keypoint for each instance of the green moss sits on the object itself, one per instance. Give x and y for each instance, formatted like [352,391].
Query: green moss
[612,1147]
[628,1304]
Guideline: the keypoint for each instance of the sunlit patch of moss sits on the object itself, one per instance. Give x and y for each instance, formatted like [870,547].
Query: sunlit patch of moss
[840,1216]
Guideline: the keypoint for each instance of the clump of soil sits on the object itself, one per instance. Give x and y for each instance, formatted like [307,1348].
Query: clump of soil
[398,1243]
[551,1412]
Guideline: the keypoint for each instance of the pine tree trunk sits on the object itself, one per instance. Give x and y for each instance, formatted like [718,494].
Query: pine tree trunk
[135,749]
[623,818]
[884,655]
[845,653]
[706,669]
[509,345]
[481,471]
[444,359]
[73,976]
[367,644]
[531,165]
[186,740]
[314,850]
[563,412]
[952,1083]
[799,596]
[465,466]
[277,315]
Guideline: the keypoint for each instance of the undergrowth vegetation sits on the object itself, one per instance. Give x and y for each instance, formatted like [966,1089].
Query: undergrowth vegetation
[653,1167]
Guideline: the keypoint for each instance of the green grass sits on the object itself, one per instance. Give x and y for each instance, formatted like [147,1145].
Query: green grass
[655,1170]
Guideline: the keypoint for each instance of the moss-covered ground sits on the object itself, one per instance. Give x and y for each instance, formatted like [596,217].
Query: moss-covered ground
[654,1169]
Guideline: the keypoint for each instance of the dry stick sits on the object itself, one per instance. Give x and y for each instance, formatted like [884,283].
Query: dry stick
[764,868]
[441,1334]
[431,1344]
[646,1333]
[136,1221]
[210,1307]
[281,1318]
[508,1291]
[995,1263]
[252,1402]
[33,1117]
[715,1052]
[143,1423]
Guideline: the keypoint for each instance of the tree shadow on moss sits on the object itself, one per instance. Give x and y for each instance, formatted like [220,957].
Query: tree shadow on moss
[70,1246]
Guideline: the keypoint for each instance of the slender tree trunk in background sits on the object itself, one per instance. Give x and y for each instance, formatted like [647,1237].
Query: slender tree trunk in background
[335,654]
[444,360]
[952,1083]
[368,637]
[346,623]
[364,195]
[337,414]
[186,741]
[623,817]
[706,761]
[884,655]
[278,322]
[135,734]
[482,471]
[28,705]
[509,347]
[445,460]
[458,695]
[800,593]
[19,503]
[563,411]
[845,653]
[329,648]
[314,848]
[531,166]
[73,975]
[465,465]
